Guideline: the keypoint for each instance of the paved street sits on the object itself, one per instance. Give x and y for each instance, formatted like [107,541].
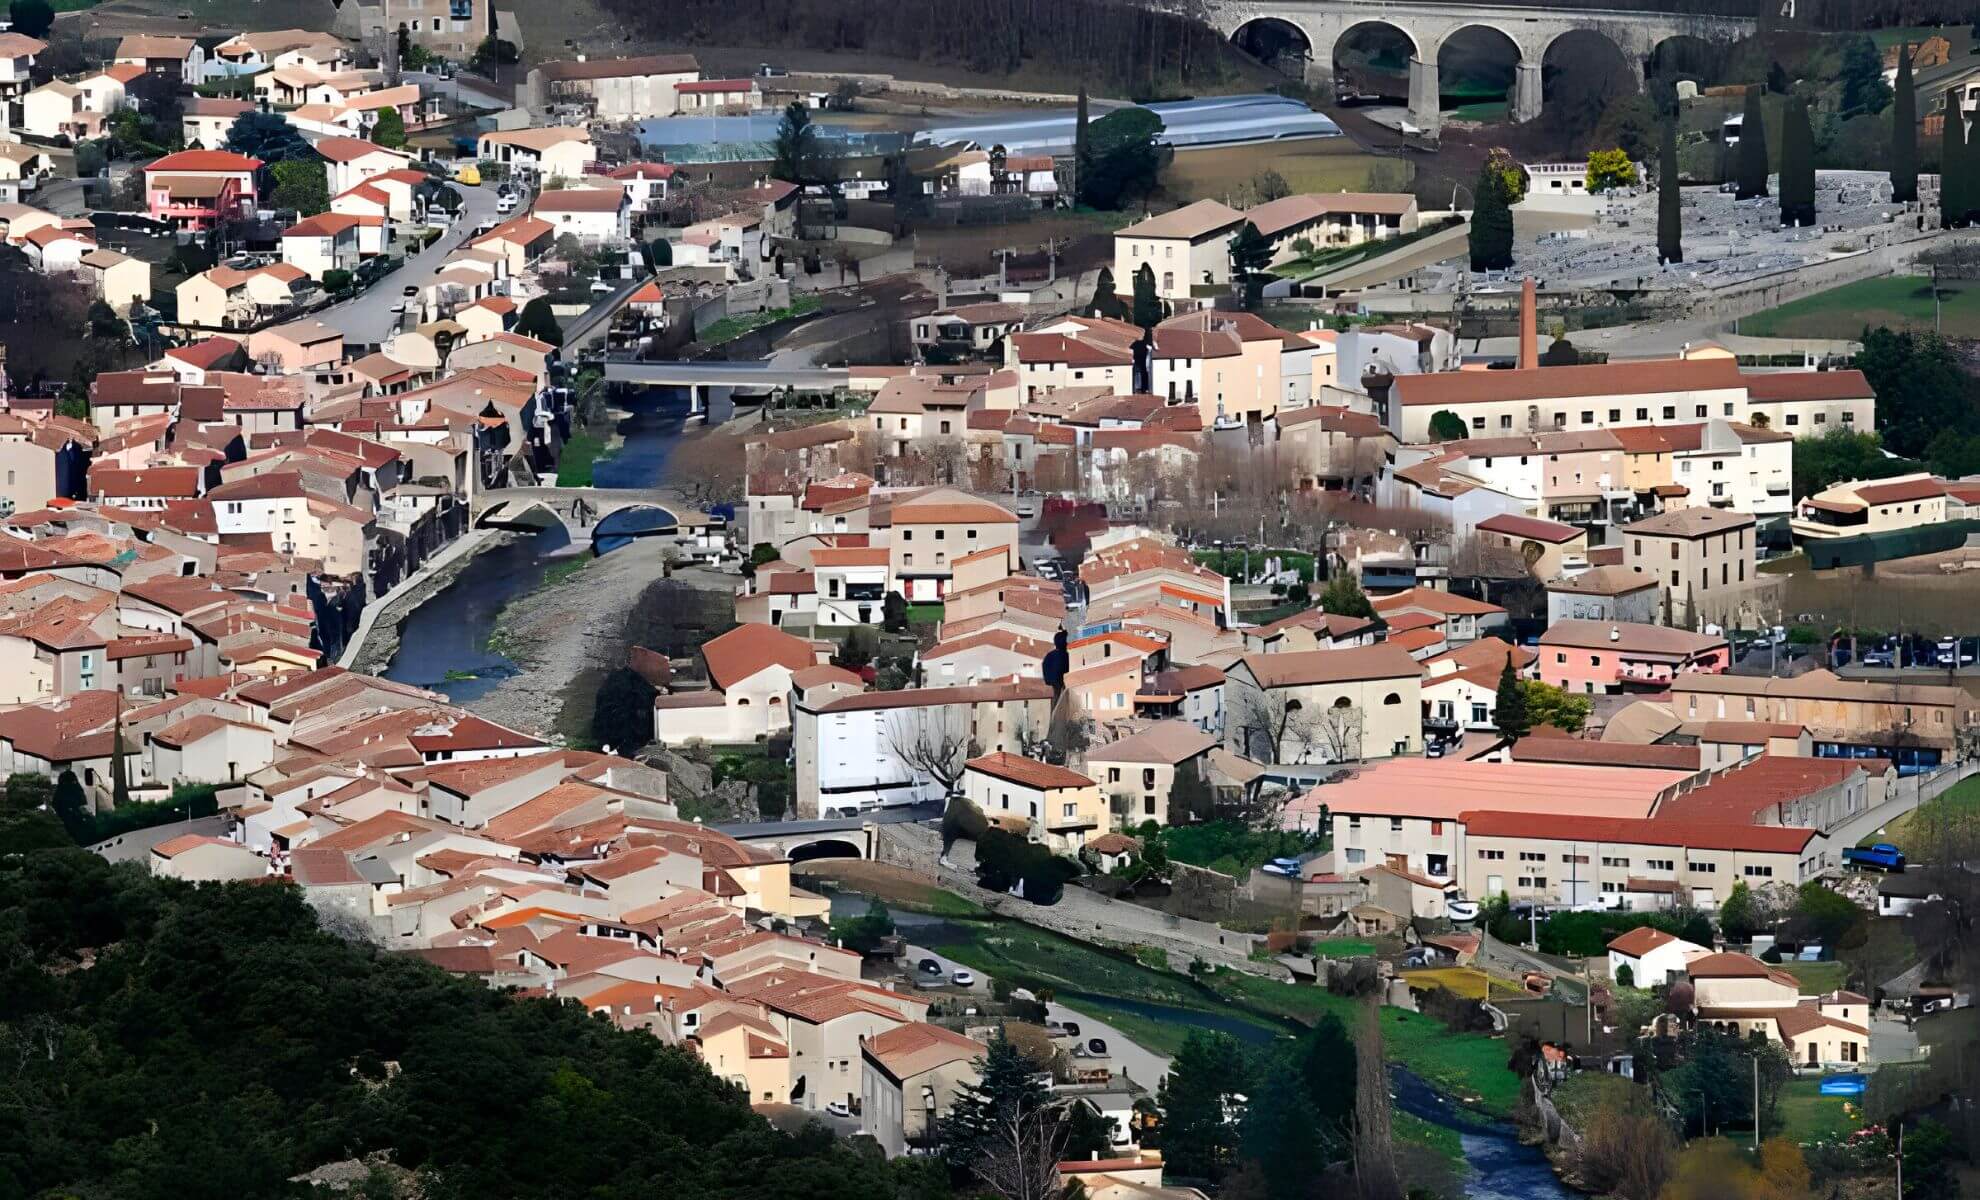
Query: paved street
[1138,1063]
[1892,1041]
[369,319]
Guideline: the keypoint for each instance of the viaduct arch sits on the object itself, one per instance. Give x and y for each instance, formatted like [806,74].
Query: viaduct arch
[1322,24]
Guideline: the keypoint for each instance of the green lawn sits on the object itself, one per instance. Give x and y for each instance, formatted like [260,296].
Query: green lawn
[924,614]
[1960,804]
[1231,847]
[1344,948]
[1579,1095]
[730,328]
[1809,1116]
[1817,977]
[575,461]
[1899,301]
[1470,1067]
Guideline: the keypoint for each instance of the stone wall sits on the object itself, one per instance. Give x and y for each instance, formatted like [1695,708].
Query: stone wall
[1199,889]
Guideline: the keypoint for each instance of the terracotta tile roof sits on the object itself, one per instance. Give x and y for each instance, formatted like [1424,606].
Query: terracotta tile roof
[986,693]
[1630,638]
[1607,754]
[1748,791]
[747,649]
[908,1050]
[1305,667]
[1640,941]
[1660,830]
[1564,383]
[1028,771]
[1807,385]
[1895,493]
[1552,532]
[1695,522]
[203,160]
[1058,348]
[1169,742]
[1192,221]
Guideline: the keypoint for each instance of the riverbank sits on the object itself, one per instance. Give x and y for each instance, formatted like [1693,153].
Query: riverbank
[376,640]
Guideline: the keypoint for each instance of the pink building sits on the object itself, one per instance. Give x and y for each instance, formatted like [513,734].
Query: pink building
[1582,475]
[193,188]
[1594,657]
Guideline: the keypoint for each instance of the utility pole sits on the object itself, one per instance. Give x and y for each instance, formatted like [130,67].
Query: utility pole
[1756,1109]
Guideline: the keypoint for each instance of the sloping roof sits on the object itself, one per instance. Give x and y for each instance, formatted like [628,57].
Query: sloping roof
[1028,771]
[1540,530]
[1698,521]
[567,70]
[1807,385]
[1629,637]
[748,649]
[1603,581]
[1566,383]
[1168,742]
[1745,792]
[1304,667]
[1191,221]
[1607,754]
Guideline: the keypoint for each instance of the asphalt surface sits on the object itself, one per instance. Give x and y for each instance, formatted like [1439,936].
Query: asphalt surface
[368,319]
[1138,1063]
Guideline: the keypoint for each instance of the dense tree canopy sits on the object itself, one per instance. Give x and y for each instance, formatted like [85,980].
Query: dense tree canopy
[268,137]
[219,1043]
[1122,158]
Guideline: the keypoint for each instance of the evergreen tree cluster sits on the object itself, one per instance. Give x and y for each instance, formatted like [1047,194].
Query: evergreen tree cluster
[210,1043]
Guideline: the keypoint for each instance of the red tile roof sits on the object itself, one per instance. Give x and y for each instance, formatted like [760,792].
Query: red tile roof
[747,649]
[205,160]
[1028,771]
[1660,830]
[1539,530]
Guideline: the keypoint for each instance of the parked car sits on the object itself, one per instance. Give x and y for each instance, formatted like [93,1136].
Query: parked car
[962,978]
[929,966]
[1880,857]
[838,1108]
[1096,1047]
[505,204]
[1070,1028]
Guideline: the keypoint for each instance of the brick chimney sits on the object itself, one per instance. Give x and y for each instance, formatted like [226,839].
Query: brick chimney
[1529,327]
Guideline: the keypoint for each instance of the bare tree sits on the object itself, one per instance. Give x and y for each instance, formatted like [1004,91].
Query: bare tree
[1071,730]
[712,472]
[1019,1158]
[1338,731]
[932,743]
[1273,727]
[1374,1145]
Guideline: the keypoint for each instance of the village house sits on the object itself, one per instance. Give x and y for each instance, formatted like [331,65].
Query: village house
[178,60]
[594,216]
[614,89]
[1057,807]
[749,682]
[1650,957]
[1745,996]
[1599,657]
[1186,249]
[193,188]
[560,152]
[1137,773]
[1871,506]
[1704,559]
[1324,706]
[910,1077]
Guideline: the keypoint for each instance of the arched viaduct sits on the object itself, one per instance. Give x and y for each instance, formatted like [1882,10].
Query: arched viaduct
[1325,23]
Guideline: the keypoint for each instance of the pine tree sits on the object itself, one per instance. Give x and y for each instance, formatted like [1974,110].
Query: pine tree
[1005,1088]
[1491,225]
[1082,150]
[1510,705]
[1752,149]
[1797,165]
[1670,220]
[1904,133]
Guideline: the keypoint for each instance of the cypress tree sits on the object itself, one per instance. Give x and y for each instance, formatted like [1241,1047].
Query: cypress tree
[1752,149]
[1952,163]
[1491,225]
[1147,310]
[1670,224]
[1082,150]
[1509,706]
[1797,165]
[1904,133]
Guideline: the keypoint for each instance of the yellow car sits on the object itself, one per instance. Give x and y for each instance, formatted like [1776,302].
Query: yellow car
[469,175]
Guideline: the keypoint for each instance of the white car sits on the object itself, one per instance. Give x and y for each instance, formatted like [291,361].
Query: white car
[962,978]
[838,1108]
[506,204]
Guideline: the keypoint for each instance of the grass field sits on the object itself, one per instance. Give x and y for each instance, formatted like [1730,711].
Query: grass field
[1899,301]
[1960,804]
[1308,165]
[899,888]
[1471,1068]
[1468,982]
[1809,1116]
[576,459]
[1818,977]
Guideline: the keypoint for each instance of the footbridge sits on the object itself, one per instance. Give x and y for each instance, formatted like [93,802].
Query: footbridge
[702,378]
[849,837]
[578,510]
[1316,30]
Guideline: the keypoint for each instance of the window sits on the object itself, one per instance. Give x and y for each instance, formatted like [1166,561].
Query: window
[1560,656]
[1532,856]
[1478,714]
[1070,810]
[1615,862]
[1670,412]
[1492,855]
[1701,868]
[1479,422]
[1659,864]
[1643,414]
[1612,888]
[1794,419]
[1391,698]
[1354,823]
[1587,416]
[1615,414]
[1758,872]
[1504,422]
[1699,412]
[1580,859]
[1113,774]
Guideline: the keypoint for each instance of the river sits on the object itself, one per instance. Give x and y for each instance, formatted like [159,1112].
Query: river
[1501,1168]
[443,644]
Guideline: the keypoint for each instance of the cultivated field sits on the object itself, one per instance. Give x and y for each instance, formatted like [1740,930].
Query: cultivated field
[1899,301]
[1308,164]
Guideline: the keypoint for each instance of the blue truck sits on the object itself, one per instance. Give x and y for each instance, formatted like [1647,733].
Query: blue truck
[1881,857]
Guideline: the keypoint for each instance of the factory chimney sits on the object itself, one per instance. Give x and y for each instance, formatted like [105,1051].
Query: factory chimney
[1529,327]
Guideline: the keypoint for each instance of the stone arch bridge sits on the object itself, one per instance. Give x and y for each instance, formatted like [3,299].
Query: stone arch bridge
[578,510]
[1323,25]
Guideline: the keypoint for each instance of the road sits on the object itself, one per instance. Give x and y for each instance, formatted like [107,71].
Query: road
[368,319]
[1126,1057]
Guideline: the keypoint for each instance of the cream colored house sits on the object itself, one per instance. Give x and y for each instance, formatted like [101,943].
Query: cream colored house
[1058,807]
[1137,772]
[549,153]
[1570,859]
[932,530]
[1743,995]
[1324,706]
[1186,249]
[910,1076]
[199,859]
[1871,506]
[225,298]
[117,279]
[1704,558]
[298,346]
[1651,956]
[749,675]
[615,89]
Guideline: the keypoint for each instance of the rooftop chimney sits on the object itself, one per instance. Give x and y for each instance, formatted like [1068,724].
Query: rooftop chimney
[1529,327]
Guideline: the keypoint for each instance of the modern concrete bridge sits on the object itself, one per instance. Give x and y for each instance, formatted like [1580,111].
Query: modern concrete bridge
[1322,26]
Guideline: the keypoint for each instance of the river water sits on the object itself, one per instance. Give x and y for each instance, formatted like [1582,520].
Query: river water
[443,644]
[1501,1168]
